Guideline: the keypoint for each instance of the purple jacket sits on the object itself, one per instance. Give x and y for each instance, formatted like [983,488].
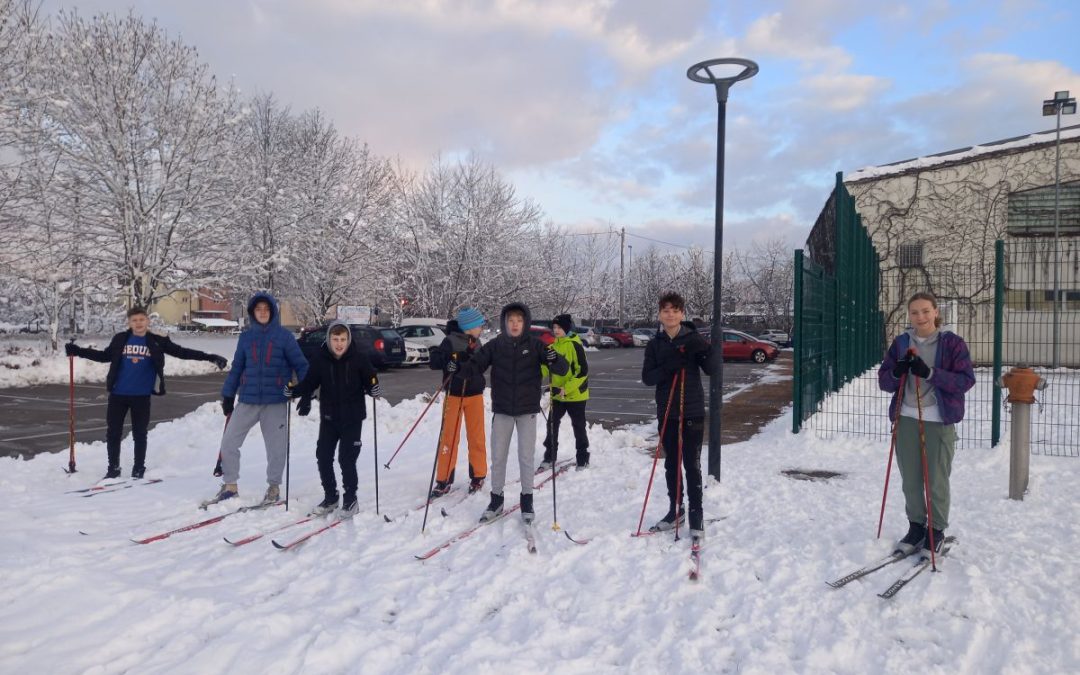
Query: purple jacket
[952,376]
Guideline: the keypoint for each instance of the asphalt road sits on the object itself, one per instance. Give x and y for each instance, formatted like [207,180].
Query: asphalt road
[35,419]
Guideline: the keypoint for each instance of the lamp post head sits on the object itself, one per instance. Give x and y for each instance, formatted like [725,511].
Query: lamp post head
[704,72]
[1060,103]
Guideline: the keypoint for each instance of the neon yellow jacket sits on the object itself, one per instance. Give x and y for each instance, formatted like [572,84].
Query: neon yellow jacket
[574,386]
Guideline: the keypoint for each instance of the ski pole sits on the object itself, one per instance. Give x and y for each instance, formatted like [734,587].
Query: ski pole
[438,444]
[679,444]
[554,457]
[71,414]
[656,455]
[375,433]
[413,428]
[892,447]
[926,479]
[218,471]
[288,447]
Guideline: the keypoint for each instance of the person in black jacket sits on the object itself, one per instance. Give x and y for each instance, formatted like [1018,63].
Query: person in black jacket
[136,359]
[343,375]
[676,357]
[515,358]
[464,396]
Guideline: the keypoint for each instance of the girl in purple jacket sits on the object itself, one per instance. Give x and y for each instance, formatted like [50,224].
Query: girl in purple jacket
[940,394]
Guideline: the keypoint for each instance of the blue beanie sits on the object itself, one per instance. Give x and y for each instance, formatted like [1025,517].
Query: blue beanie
[469,317]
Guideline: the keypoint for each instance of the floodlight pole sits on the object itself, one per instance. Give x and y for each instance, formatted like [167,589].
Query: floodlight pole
[1061,103]
[702,72]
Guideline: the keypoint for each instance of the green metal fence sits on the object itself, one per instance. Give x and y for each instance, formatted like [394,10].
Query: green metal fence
[1008,314]
[837,322]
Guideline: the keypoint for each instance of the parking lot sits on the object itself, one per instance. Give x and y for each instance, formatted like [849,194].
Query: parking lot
[36,418]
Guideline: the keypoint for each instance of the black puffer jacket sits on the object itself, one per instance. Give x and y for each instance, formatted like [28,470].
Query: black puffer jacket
[159,346]
[664,357]
[458,344]
[515,367]
[342,383]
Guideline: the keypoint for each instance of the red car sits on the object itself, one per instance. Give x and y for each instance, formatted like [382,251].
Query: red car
[740,346]
[624,337]
[545,334]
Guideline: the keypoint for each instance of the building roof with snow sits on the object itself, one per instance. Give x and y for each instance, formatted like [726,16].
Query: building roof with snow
[1070,134]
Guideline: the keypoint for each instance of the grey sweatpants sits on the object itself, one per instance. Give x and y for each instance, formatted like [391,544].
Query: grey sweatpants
[272,420]
[940,448]
[502,427]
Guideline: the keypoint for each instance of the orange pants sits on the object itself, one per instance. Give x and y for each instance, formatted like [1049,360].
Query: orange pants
[473,409]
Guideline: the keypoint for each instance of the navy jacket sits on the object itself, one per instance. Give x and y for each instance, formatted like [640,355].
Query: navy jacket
[159,346]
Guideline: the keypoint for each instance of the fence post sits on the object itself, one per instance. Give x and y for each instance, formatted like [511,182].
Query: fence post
[999,310]
[798,341]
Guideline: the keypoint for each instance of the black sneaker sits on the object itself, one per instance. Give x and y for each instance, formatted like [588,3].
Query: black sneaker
[697,524]
[328,504]
[349,507]
[476,485]
[939,541]
[582,461]
[138,471]
[913,540]
[494,509]
[441,488]
[112,472]
[668,521]
[527,508]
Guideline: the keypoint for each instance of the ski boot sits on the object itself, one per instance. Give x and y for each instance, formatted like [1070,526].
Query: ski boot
[913,540]
[668,522]
[138,471]
[349,506]
[272,496]
[441,488]
[494,509]
[527,514]
[476,485]
[112,472]
[227,491]
[328,504]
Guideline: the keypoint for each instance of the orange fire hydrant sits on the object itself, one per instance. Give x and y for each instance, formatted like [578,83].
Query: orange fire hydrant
[1022,383]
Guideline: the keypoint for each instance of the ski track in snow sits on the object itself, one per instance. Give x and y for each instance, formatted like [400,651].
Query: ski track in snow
[355,600]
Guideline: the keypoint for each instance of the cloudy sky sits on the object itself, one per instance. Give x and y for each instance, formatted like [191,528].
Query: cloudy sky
[585,105]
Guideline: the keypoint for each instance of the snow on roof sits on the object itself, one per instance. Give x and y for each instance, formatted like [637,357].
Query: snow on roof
[215,323]
[960,154]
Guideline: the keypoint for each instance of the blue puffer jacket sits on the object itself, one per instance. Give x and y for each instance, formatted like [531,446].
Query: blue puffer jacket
[266,356]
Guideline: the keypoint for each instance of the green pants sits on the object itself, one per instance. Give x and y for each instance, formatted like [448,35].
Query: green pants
[940,448]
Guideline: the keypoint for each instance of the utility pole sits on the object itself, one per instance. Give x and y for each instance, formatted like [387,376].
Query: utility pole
[622,277]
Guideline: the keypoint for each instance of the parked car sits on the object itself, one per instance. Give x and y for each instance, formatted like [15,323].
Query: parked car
[416,353]
[545,334]
[642,336]
[621,336]
[605,341]
[778,336]
[383,346]
[428,336]
[740,346]
[588,336]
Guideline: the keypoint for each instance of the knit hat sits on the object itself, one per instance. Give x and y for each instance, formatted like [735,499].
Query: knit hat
[469,317]
[564,321]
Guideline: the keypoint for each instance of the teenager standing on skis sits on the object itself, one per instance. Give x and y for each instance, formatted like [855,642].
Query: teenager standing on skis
[676,357]
[569,393]
[266,357]
[932,396]
[343,375]
[136,359]
[515,358]
[464,396]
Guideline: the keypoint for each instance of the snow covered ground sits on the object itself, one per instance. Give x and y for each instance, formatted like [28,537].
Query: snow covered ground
[356,600]
[29,361]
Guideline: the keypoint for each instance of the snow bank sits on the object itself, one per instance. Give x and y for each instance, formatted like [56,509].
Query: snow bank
[355,599]
[26,362]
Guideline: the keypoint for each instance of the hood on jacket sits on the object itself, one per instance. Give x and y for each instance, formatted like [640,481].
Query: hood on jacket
[521,307]
[275,318]
[326,340]
[453,327]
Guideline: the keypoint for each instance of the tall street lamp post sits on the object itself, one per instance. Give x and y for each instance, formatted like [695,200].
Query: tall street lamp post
[1060,105]
[706,73]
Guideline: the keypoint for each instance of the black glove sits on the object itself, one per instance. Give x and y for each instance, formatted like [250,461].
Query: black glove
[70,349]
[918,367]
[227,404]
[303,407]
[375,391]
[452,366]
[902,366]
[220,361]
[550,355]
[287,391]
[696,346]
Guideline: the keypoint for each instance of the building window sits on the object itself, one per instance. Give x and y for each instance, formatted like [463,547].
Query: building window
[910,255]
[1031,212]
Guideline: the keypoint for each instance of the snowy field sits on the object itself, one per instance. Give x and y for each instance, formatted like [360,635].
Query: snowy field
[28,361]
[354,600]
